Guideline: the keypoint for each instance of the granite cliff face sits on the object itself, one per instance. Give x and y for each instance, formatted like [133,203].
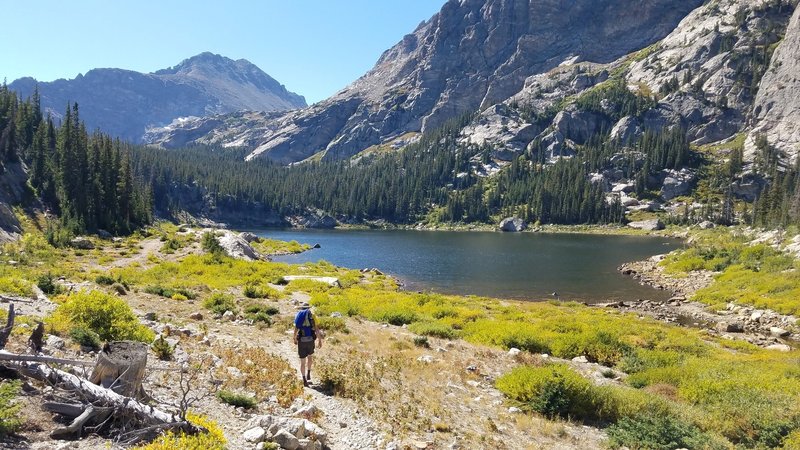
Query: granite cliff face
[470,55]
[777,107]
[125,103]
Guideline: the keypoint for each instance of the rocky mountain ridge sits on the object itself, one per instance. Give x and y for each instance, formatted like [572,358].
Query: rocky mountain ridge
[717,69]
[126,103]
[470,55]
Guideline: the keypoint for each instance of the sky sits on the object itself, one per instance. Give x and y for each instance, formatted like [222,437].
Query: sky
[313,47]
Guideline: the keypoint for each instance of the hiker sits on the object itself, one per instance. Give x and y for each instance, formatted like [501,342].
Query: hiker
[305,333]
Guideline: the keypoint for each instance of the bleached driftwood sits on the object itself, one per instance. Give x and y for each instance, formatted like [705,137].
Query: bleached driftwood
[7,356]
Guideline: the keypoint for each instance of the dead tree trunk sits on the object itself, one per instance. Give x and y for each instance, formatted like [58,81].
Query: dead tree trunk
[5,332]
[35,341]
[121,368]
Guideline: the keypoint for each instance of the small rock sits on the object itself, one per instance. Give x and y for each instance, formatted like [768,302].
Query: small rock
[307,411]
[256,434]
[151,316]
[514,351]
[471,369]
[730,327]
[286,440]
[342,424]
[81,243]
[756,316]
[261,446]
[228,316]
[421,445]
[779,332]
[514,410]
[580,359]
[427,359]
[336,314]
[706,225]
[55,342]
[317,246]
[196,316]
[234,372]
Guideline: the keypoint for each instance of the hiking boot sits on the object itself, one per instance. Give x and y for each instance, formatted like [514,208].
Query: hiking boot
[308,377]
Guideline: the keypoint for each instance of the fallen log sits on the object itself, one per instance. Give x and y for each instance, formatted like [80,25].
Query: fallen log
[98,395]
[7,356]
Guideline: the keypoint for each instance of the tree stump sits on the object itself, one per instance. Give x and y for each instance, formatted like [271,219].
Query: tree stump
[120,367]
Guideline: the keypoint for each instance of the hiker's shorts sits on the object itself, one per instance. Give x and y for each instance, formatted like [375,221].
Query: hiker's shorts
[305,348]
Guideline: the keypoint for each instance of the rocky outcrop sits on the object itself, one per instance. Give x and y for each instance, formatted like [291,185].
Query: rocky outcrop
[513,225]
[469,56]
[648,225]
[626,130]
[675,183]
[312,219]
[13,191]
[777,105]
[125,103]
[237,246]
[707,60]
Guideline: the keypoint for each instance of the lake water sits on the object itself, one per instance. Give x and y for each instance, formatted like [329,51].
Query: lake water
[505,265]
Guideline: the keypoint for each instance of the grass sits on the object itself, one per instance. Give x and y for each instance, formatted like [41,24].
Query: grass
[749,274]
[9,409]
[275,247]
[237,400]
[263,374]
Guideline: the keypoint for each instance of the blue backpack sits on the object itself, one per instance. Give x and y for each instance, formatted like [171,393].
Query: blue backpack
[304,321]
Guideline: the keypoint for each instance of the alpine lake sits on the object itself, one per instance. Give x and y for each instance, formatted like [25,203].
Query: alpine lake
[524,266]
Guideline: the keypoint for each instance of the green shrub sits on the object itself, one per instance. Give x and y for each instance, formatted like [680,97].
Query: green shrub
[238,400]
[257,291]
[395,316]
[211,244]
[332,324]
[434,329]
[422,341]
[260,313]
[169,292]
[85,337]
[9,409]
[47,284]
[655,432]
[219,303]
[554,390]
[119,289]
[162,349]
[104,280]
[108,316]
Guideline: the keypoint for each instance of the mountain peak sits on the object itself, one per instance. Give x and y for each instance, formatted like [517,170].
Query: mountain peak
[206,60]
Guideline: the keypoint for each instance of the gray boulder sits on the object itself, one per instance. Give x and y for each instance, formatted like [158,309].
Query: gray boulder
[237,247]
[250,237]
[749,187]
[512,224]
[648,225]
[81,243]
[286,440]
[578,126]
[676,183]
[627,130]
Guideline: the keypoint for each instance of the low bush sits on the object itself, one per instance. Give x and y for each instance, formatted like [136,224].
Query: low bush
[169,292]
[46,282]
[9,409]
[108,316]
[85,337]
[349,377]
[263,373]
[258,291]
[421,341]
[656,432]
[554,391]
[434,329]
[237,400]
[212,439]
[15,285]
[259,312]
[162,349]
[332,324]
[219,303]
[104,280]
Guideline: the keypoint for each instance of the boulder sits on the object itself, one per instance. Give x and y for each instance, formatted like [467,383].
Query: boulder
[514,352]
[578,126]
[196,316]
[676,183]
[749,187]
[237,247]
[627,130]
[730,327]
[228,316]
[250,237]
[104,235]
[81,243]
[55,342]
[256,434]
[648,225]
[779,332]
[286,440]
[779,347]
[706,225]
[512,224]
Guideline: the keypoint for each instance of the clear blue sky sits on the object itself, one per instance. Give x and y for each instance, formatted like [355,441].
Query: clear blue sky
[314,47]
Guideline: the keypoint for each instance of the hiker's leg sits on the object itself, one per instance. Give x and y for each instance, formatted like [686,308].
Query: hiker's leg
[310,361]
[303,367]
